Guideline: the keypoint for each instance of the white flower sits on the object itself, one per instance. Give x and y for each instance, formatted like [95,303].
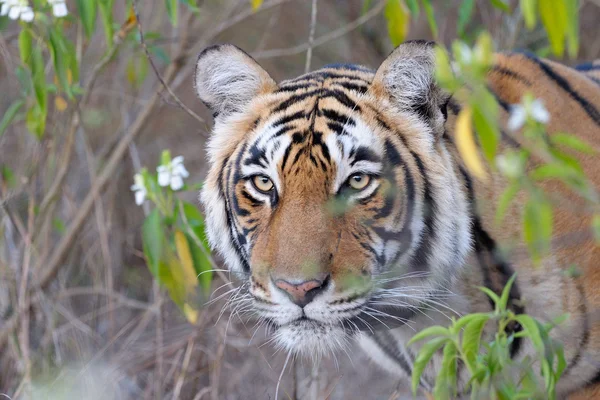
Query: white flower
[172,174]
[520,112]
[59,8]
[139,188]
[17,9]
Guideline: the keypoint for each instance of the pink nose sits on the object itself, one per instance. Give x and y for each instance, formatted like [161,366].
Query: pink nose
[304,292]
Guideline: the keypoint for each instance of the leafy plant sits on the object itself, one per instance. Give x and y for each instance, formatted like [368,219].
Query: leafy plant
[175,246]
[492,374]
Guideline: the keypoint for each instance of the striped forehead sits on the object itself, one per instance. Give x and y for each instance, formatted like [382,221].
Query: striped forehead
[349,143]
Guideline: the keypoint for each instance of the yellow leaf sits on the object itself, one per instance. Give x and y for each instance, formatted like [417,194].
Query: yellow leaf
[465,142]
[69,76]
[60,104]
[187,263]
[256,4]
[190,314]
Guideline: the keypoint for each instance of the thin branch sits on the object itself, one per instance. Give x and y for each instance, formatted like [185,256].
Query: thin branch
[157,73]
[65,165]
[290,51]
[311,35]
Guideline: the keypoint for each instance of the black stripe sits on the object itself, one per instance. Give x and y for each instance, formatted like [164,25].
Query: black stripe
[390,347]
[295,87]
[289,118]
[351,86]
[337,117]
[224,192]
[512,74]
[295,99]
[589,108]
[420,259]
[363,153]
[586,330]
[342,98]
[257,157]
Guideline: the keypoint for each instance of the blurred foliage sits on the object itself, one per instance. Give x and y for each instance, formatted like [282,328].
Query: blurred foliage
[175,246]
[492,373]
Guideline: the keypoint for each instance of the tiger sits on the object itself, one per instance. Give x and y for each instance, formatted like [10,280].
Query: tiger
[340,200]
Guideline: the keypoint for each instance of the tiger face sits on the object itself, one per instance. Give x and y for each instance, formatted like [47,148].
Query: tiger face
[332,195]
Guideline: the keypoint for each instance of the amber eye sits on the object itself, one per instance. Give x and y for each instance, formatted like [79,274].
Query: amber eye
[359,181]
[262,183]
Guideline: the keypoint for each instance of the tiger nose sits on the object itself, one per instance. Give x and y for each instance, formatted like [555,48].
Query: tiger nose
[304,292]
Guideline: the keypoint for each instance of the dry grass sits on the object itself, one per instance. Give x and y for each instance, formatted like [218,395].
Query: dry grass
[80,316]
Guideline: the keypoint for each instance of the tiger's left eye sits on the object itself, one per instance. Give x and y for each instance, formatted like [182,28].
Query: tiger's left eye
[359,181]
[262,183]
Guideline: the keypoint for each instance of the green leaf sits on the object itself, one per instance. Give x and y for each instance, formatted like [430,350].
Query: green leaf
[505,293]
[39,78]
[487,129]
[506,199]
[561,362]
[59,225]
[202,263]
[191,5]
[532,331]
[572,142]
[501,5]
[529,14]
[35,120]
[172,11]
[445,383]
[425,353]
[491,295]
[136,70]
[596,227]
[10,114]
[431,331]
[61,59]
[430,17]
[25,40]
[465,12]
[87,14]
[106,15]
[471,338]
[537,227]
[154,241]
[397,18]
[8,176]
[413,7]
[463,321]
[572,15]
[554,17]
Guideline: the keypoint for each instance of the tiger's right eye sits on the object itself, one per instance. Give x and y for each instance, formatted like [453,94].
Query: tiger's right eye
[262,183]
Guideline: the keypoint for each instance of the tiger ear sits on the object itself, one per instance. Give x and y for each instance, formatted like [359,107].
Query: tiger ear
[227,79]
[407,76]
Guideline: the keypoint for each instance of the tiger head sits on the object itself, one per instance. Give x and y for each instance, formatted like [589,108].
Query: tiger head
[333,195]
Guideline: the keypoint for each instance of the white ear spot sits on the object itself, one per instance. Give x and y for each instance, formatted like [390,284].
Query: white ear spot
[227,79]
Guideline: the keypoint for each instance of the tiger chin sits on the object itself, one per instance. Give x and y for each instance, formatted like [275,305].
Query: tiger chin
[338,197]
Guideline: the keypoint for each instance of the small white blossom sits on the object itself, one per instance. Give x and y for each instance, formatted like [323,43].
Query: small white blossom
[172,174]
[520,112]
[59,8]
[17,9]
[139,188]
